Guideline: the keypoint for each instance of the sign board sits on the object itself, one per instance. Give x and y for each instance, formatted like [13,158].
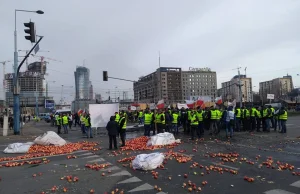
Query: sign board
[23,74]
[270,96]
[132,108]
[152,106]
[100,113]
[49,104]
[199,69]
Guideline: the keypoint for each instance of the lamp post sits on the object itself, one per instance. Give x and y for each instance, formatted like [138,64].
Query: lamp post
[16,88]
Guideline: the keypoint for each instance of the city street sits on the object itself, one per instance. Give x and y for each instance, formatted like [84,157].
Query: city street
[253,150]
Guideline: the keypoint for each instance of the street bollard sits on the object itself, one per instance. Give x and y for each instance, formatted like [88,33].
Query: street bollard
[5,125]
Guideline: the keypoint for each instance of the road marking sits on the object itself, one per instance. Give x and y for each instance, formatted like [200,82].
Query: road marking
[296,184]
[278,191]
[97,160]
[225,166]
[86,154]
[143,187]
[88,157]
[161,193]
[122,173]
[39,157]
[111,169]
[130,180]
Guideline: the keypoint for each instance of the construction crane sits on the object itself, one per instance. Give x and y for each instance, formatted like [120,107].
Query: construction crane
[4,82]
[26,51]
[44,62]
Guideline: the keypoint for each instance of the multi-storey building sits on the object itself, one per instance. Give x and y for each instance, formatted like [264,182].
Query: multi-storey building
[82,83]
[230,89]
[280,87]
[199,82]
[164,83]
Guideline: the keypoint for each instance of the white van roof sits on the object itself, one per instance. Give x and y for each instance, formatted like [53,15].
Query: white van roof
[63,110]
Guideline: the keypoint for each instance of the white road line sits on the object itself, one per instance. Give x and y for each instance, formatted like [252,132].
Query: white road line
[225,166]
[122,173]
[39,157]
[130,180]
[278,191]
[86,154]
[296,184]
[88,157]
[111,168]
[143,187]
[96,161]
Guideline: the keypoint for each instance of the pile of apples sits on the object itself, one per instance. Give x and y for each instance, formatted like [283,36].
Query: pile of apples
[179,157]
[14,164]
[128,159]
[296,173]
[70,178]
[96,167]
[269,163]
[249,179]
[192,186]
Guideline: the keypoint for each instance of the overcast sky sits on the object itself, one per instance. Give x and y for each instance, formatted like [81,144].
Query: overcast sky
[124,37]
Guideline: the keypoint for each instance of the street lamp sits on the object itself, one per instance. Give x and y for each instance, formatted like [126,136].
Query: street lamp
[16,92]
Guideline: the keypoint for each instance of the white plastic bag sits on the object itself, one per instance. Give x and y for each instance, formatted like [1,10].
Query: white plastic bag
[18,148]
[162,139]
[50,138]
[148,161]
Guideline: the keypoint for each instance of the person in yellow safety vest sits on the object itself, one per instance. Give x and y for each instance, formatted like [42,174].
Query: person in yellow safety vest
[253,116]
[258,119]
[160,121]
[276,119]
[147,123]
[213,116]
[88,127]
[272,116]
[283,116]
[194,124]
[141,117]
[65,122]
[152,127]
[238,114]
[200,114]
[188,125]
[247,119]
[117,117]
[125,115]
[123,125]
[266,116]
[175,119]
[82,123]
[59,123]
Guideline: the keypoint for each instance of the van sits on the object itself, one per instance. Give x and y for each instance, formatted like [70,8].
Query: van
[62,111]
[43,115]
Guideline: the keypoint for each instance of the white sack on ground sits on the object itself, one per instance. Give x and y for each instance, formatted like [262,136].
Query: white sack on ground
[18,148]
[148,161]
[50,138]
[162,139]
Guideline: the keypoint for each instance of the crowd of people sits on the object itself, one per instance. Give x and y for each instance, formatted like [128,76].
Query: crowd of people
[195,121]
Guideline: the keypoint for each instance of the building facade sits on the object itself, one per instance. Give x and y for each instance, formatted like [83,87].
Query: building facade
[82,83]
[199,82]
[164,83]
[230,89]
[280,87]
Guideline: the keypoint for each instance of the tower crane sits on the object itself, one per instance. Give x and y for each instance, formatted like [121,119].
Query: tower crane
[26,51]
[44,62]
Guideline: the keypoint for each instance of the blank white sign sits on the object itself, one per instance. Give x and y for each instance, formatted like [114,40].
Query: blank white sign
[100,113]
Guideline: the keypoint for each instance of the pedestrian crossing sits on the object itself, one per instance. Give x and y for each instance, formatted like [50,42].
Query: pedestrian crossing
[280,191]
[115,171]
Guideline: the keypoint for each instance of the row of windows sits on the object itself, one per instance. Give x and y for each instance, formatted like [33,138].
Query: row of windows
[197,87]
[198,83]
[211,76]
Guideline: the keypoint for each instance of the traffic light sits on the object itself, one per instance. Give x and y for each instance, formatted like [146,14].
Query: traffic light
[30,31]
[105,76]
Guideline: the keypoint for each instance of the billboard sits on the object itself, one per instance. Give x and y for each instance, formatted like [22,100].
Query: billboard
[101,113]
[49,104]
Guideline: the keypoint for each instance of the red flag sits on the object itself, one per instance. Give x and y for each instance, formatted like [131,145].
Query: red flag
[190,104]
[218,100]
[160,104]
[199,102]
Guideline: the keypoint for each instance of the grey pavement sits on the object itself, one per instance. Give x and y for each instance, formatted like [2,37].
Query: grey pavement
[281,147]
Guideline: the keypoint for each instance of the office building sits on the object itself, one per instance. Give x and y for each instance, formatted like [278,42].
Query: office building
[82,83]
[164,83]
[280,87]
[199,82]
[230,89]
[175,85]
[32,87]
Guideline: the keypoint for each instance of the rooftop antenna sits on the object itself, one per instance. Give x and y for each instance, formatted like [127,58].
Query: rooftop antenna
[83,62]
[245,71]
[159,59]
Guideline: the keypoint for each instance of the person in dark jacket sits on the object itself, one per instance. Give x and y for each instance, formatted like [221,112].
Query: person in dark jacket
[113,130]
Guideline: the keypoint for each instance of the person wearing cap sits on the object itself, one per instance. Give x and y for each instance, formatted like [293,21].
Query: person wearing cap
[113,130]
[283,116]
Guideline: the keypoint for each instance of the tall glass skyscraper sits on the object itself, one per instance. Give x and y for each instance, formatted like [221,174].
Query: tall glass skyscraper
[82,83]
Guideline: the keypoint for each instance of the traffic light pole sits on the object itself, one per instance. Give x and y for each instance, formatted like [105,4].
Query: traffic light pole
[16,88]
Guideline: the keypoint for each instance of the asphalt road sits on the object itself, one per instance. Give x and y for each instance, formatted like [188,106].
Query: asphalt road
[284,148]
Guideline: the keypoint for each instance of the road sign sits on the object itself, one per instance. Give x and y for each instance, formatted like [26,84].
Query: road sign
[270,96]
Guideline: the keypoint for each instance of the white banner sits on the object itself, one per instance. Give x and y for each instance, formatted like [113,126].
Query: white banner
[270,96]
[152,106]
[181,106]
[100,113]
[132,108]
